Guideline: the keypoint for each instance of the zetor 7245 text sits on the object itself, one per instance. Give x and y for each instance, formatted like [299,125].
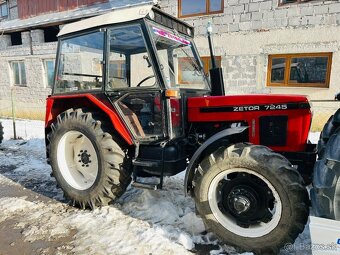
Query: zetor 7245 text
[131,100]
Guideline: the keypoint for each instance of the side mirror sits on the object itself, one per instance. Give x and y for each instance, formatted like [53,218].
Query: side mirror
[337,96]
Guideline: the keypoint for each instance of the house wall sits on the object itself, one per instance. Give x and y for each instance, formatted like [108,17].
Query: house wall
[30,100]
[250,30]
[244,35]
[13,9]
[27,9]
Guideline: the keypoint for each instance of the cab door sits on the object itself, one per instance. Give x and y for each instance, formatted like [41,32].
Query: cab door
[133,84]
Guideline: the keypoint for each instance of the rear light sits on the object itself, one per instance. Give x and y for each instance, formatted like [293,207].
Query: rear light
[176,118]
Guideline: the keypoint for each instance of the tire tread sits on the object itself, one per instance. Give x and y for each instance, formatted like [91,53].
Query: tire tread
[288,176]
[117,173]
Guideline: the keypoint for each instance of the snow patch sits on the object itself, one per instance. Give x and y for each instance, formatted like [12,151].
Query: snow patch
[12,205]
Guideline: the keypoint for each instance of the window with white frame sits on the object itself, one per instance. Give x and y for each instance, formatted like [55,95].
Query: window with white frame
[3,10]
[19,73]
[49,65]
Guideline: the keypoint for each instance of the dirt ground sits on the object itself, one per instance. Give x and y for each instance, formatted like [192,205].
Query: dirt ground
[11,238]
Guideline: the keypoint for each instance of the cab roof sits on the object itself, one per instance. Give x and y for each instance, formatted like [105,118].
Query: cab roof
[113,17]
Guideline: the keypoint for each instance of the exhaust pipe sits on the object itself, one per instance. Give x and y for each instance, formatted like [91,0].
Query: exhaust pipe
[216,73]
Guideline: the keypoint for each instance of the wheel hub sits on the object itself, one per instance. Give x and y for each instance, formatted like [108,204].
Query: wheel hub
[247,200]
[84,158]
[241,204]
[244,202]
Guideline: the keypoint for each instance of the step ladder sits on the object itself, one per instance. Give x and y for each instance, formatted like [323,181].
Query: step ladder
[138,182]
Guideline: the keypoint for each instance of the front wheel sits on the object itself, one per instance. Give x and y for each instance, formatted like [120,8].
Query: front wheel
[251,198]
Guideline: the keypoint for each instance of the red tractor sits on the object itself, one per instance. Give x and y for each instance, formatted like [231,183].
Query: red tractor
[131,100]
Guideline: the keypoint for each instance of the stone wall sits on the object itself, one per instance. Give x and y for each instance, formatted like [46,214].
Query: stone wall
[255,15]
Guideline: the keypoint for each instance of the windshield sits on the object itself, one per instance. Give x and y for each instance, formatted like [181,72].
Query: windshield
[179,60]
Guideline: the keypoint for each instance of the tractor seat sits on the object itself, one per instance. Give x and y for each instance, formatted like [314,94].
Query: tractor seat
[132,118]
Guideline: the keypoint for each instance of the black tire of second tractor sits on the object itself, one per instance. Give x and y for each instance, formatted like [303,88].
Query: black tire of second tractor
[328,130]
[325,194]
[114,172]
[1,133]
[279,172]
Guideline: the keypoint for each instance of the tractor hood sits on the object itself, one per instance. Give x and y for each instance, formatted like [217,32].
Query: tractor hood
[269,117]
[210,108]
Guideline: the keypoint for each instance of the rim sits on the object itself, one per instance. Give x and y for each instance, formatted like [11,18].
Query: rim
[237,210]
[77,160]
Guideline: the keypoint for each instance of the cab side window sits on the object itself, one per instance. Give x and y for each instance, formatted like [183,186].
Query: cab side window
[129,63]
[81,63]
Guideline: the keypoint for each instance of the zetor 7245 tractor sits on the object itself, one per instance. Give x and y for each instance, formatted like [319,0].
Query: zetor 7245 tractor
[131,100]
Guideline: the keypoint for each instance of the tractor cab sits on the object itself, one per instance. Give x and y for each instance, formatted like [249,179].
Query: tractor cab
[137,67]
[140,59]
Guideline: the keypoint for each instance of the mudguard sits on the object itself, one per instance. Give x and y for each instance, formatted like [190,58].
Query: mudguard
[195,159]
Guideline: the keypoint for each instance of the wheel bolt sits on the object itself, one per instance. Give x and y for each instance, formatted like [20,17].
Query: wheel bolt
[83,165]
[79,161]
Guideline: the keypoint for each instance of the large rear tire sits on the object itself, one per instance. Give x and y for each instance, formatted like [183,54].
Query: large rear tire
[325,194]
[89,166]
[328,130]
[1,133]
[251,198]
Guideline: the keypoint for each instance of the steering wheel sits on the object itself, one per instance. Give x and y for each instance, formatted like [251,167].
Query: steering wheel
[144,80]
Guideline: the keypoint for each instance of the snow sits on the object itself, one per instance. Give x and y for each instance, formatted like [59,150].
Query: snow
[141,222]
[25,129]
[314,137]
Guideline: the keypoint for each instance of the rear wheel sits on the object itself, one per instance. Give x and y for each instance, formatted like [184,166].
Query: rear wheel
[1,133]
[328,130]
[251,198]
[325,194]
[89,166]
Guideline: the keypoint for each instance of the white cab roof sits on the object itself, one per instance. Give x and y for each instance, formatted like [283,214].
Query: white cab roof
[113,17]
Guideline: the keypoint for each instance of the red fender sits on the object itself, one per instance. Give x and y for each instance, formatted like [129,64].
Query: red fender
[59,103]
